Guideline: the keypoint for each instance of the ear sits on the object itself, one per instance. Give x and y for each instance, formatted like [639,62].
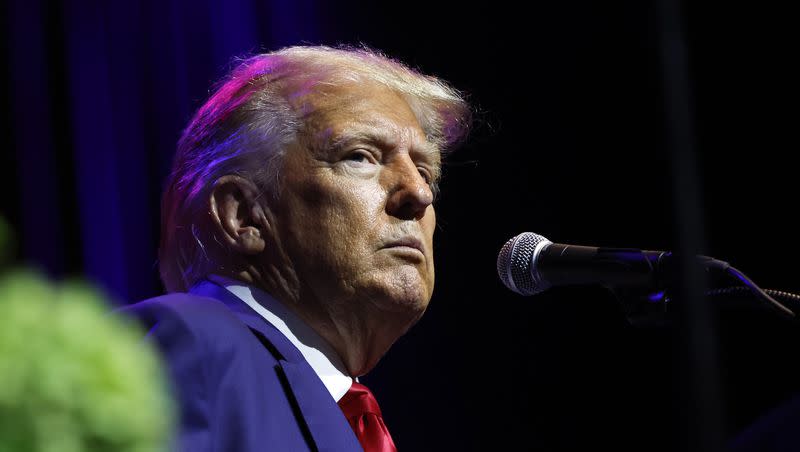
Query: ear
[238,221]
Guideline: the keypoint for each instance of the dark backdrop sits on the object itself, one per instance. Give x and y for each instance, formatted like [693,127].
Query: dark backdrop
[570,142]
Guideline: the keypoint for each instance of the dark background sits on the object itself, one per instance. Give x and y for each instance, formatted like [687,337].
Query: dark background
[571,142]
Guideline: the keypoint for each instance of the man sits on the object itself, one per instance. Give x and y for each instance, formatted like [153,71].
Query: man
[299,218]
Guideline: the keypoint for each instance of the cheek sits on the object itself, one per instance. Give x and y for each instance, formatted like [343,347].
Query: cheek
[343,217]
[429,228]
[354,210]
[428,225]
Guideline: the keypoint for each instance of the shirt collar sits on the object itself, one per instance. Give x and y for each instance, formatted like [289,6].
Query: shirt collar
[317,351]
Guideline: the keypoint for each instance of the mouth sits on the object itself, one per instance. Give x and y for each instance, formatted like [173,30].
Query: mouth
[410,244]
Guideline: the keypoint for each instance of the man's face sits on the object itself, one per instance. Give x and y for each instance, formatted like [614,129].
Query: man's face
[355,216]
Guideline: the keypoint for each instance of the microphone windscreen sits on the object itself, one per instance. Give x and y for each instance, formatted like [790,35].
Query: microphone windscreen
[515,262]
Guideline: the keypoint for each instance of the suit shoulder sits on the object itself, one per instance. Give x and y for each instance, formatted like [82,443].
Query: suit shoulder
[179,304]
[183,305]
[203,317]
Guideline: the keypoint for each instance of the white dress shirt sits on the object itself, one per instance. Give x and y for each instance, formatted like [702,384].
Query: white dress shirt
[317,352]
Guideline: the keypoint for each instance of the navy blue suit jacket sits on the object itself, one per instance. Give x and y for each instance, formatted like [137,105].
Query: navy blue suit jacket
[241,385]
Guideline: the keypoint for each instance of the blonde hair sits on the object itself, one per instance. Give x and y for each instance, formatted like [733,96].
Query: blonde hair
[246,125]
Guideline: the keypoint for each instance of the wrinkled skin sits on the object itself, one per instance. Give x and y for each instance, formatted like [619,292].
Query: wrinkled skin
[343,202]
[348,245]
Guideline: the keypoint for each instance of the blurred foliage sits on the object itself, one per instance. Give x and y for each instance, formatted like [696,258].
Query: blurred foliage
[74,377]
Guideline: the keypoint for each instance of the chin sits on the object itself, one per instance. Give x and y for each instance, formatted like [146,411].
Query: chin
[404,291]
[415,302]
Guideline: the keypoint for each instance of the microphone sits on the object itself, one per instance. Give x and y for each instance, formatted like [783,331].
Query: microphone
[529,264]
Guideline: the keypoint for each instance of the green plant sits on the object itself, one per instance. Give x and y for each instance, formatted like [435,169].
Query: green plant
[74,378]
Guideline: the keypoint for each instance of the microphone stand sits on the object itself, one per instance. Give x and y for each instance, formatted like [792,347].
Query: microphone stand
[651,306]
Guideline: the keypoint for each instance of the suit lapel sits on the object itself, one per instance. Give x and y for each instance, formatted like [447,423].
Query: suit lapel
[330,432]
[323,419]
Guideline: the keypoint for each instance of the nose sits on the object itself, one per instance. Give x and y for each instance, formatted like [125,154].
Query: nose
[409,193]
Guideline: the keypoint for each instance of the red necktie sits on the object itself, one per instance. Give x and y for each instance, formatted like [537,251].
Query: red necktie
[362,412]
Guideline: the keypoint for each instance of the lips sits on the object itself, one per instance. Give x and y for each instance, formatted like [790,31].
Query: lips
[409,242]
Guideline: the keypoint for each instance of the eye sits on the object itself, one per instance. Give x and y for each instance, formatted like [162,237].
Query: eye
[425,174]
[360,156]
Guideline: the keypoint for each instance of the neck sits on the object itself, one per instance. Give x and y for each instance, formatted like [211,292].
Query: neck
[360,336]
[359,331]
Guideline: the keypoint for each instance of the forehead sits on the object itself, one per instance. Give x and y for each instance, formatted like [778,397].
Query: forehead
[335,115]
